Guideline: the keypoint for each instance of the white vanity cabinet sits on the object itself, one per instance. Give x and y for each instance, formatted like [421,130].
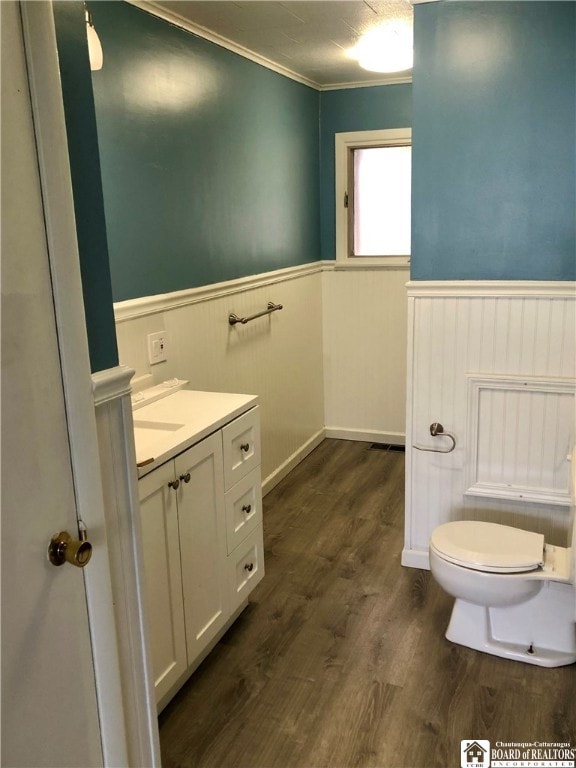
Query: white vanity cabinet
[201,514]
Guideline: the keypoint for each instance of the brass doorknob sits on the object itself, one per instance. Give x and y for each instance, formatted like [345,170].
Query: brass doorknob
[64,549]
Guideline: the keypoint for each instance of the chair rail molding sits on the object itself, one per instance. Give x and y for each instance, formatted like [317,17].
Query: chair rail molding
[561,289]
[111,384]
[149,305]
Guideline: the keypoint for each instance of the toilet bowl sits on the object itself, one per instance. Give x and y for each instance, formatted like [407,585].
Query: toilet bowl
[515,594]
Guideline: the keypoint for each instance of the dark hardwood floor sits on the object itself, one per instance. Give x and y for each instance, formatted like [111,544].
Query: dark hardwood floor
[340,659]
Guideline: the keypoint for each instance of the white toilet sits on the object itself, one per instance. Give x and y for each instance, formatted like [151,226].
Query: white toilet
[515,594]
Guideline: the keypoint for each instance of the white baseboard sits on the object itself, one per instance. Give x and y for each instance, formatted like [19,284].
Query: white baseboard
[415,558]
[292,461]
[366,435]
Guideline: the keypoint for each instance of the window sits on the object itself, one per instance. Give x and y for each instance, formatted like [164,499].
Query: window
[373,190]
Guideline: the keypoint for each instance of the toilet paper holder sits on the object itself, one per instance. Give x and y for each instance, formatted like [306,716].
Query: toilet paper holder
[436,430]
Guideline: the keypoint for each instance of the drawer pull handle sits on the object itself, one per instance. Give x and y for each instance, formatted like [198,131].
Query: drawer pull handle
[249,567]
[186,477]
[247,508]
[245,447]
[174,484]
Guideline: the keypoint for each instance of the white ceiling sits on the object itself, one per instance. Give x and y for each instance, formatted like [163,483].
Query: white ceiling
[308,38]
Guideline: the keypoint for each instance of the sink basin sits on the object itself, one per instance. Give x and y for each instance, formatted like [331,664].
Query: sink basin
[161,426]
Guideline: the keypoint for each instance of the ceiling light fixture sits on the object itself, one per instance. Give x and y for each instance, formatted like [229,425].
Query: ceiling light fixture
[94,45]
[386,48]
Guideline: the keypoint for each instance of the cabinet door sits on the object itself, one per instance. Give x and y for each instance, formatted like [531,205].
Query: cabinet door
[202,542]
[160,541]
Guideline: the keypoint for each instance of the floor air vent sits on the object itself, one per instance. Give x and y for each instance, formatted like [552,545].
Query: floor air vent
[386,447]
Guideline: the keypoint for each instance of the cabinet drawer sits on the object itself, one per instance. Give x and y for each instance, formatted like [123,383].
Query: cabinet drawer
[241,447]
[246,567]
[243,509]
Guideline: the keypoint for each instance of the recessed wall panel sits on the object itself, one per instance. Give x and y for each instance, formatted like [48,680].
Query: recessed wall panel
[520,431]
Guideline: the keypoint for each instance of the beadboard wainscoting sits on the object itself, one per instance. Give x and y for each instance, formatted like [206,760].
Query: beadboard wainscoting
[494,363]
[331,363]
[277,357]
[364,326]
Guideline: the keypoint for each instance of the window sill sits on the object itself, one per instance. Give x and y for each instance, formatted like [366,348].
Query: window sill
[381,262]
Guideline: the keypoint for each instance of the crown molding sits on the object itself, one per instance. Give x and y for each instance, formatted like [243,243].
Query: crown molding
[196,29]
[172,17]
[389,80]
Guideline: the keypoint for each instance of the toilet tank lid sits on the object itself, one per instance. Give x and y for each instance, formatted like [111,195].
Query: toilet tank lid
[489,545]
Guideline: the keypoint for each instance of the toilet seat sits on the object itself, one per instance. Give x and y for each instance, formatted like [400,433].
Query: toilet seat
[488,547]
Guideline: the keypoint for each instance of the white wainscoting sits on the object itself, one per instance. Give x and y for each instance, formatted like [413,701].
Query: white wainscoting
[331,363]
[495,364]
[364,322]
[277,357]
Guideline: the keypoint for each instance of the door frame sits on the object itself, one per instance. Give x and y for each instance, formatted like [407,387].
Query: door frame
[120,678]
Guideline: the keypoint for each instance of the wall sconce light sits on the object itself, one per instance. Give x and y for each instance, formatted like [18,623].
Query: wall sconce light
[94,45]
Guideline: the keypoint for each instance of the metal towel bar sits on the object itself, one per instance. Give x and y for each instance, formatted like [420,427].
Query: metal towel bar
[437,429]
[270,307]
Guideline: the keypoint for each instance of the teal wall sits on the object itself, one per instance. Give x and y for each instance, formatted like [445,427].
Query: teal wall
[213,167]
[494,117]
[86,183]
[354,109]
[209,161]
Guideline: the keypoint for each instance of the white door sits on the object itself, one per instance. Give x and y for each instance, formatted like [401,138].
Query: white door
[49,706]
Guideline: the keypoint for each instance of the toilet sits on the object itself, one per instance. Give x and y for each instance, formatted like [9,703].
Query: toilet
[515,594]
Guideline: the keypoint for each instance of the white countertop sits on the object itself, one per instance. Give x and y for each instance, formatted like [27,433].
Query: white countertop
[170,425]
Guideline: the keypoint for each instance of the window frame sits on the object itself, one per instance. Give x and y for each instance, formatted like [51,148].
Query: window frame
[344,143]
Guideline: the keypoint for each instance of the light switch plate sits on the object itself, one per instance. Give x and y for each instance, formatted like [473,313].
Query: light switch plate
[157,347]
